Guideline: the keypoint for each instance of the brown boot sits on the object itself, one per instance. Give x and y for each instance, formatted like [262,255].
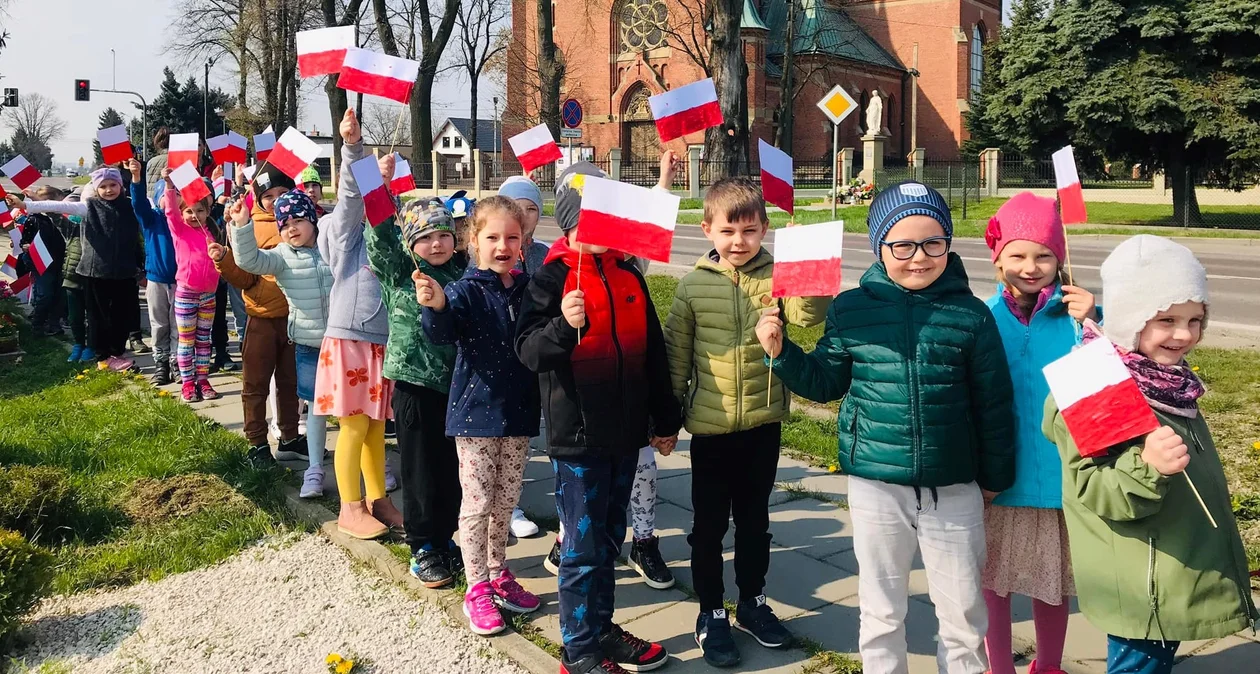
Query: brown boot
[356,521]
[384,510]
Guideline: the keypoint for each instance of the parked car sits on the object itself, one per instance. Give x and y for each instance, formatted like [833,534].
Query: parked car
[71,173]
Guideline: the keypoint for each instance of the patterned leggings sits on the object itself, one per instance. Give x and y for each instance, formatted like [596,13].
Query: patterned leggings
[642,497]
[194,316]
[490,472]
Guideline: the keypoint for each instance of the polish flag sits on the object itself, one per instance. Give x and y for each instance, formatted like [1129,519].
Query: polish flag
[322,51]
[776,176]
[15,236]
[686,110]
[229,147]
[9,267]
[189,183]
[1098,398]
[367,72]
[183,147]
[21,172]
[248,172]
[115,145]
[5,215]
[22,288]
[807,260]
[402,180]
[263,144]
[294,152]
[1071,199]
[40,257]
[535,147]
[628,218]
[376,200]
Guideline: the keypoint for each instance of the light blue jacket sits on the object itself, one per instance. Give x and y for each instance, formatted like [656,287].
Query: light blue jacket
[357,311]
[1050,335]
[302,275]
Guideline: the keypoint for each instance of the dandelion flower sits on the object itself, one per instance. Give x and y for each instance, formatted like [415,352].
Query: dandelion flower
[1255,446]
[166,394]
[345,667]
[81,377]
[1195,368]
[333,658]
[87,371]
[833,468]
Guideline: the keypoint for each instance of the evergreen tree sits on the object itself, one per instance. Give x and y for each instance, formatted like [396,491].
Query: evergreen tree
[108,118]
[179,107]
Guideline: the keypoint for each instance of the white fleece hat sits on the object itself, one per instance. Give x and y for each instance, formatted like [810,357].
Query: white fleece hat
[1143,276]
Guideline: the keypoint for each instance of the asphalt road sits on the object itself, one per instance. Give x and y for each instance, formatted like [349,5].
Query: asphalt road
[1233,272]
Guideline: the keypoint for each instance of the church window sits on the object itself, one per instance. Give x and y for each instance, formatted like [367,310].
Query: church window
[642,24]
[977,59]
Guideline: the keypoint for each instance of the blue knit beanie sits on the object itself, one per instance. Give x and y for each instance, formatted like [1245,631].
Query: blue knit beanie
[902,200]
[520,187]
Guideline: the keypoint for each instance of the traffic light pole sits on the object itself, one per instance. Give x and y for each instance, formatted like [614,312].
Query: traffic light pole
[144,141]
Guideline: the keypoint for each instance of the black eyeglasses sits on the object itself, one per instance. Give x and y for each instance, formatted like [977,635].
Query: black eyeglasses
[934,246]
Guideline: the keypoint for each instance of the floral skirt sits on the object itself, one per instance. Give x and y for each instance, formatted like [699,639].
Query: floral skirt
[1028,553]
[350,380]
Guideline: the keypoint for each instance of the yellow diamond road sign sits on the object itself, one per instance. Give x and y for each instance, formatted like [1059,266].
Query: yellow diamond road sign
[837,104]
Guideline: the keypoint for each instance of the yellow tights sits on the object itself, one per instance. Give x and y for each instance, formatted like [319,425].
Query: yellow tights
[360,452]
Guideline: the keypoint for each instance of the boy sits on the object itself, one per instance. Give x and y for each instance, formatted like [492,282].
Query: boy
[602,398]
[717,371]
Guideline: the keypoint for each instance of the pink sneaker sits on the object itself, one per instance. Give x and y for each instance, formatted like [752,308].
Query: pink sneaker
[119,364]
[483,617]
[1032,669]
[510,595]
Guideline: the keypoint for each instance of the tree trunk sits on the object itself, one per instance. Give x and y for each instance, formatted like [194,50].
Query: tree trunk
[242,42]
[1185,202]
[337,101]
[725,144]
[787,97]
[550,69]
[472,108]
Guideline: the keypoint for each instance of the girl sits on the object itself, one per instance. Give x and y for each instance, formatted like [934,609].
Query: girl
[351,385]
[1152,571]
[494,404]
[307,283]
[107,262]
[1037,315]
[76,308]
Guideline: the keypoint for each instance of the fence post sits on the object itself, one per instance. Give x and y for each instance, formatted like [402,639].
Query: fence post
[437,172]
[1185,199]
[964,186]
[614,163]
[916,160]
[990,159]
[693,171]
[846,166]
[949,185]
[477,173]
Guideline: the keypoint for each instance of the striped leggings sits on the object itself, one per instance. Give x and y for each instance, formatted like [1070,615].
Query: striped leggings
[194,316]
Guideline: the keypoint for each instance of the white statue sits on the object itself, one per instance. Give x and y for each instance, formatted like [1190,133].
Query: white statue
[875,115]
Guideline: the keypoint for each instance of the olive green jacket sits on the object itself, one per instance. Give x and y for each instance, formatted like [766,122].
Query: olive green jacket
[716,364]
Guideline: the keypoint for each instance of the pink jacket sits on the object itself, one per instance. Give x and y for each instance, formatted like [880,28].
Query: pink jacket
[194,268]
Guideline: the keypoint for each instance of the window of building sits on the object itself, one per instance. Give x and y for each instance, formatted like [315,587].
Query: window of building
[977,59]
[641,24]
[446,141]
[459,142]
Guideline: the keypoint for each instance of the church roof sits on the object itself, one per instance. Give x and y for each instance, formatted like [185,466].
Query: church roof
[821,29]
[751,19]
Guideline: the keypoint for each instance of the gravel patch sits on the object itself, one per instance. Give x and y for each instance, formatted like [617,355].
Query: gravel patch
[281,606]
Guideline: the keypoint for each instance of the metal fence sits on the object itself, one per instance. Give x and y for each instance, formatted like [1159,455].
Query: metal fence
[1015,172]
[959,181]
[1206,199]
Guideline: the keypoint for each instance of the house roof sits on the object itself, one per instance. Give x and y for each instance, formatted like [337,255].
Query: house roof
[822,29]
[487,139]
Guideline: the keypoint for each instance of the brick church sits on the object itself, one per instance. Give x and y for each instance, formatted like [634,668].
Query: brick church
[620,52]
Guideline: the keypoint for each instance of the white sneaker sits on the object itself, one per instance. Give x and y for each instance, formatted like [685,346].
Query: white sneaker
[275,431]
[522,527]
[312,483]
[391,482]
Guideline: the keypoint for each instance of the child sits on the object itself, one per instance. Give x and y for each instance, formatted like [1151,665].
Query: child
[107,262]
[926,423]
[1026,536]
[494,411]
[460,205]
[718,375]
[421,372]
[605,397]
[1151,570]
[159,270]
[47,304]
[72,283]
[526,194]
[307,282]
[351,384]
[309,182]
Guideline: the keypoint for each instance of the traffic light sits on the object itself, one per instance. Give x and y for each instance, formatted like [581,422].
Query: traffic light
[82,90]
[10,97]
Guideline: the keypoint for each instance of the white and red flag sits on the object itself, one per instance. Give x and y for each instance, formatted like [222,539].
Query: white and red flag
[115,145]
[6,216]
[685,110]
[22,288]
[322,51]
[535,147]
[40,257]
[21,172]
[228,147]
[1098,398]
[9,266]
[1068,182]
[183,147]
[15,236]
[807,260]
[776,176]
[263,144]
[368,72]
[376,200]
[628,218]
[293,153]
[402,181]
[190,184]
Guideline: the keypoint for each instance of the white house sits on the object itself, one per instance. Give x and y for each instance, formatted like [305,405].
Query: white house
[452,143]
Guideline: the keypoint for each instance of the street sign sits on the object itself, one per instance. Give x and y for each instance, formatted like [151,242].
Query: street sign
[80,162]
[570,133]
[837,104]
[571,114]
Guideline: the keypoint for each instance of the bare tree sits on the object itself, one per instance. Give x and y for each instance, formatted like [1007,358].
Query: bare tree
[214,29]
[478,45]
[551,68]
[686,30]
[381,126]
[727,145]
[348,14]
[36,118]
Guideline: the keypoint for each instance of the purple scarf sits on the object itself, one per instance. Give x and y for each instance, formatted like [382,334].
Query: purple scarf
[1174,389]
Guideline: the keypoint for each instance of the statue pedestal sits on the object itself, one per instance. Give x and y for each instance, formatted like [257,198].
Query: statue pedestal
[872,156]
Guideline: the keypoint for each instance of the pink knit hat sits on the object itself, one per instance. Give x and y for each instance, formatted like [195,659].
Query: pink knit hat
[1027,217]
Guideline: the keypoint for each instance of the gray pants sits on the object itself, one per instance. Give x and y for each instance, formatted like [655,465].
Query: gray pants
[161,300]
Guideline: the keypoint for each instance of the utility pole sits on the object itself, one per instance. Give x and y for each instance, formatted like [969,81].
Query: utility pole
[113,56]
[205,102]
[498,153]
[914,101]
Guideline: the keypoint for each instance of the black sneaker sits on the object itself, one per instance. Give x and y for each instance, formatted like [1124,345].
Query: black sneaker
[137,346]
[713,636]
[292,450]
[391,429]
[755,617]
[552,562]
[161,374]
[225,362]
[455,559]
[645,558]
[591,664]
[260,457]
[630,652]
[429,567]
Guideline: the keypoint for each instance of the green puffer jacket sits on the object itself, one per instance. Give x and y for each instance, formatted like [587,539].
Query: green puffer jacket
[1147,563]
[716,364]
[74,250]
[927,392]
[302,274]
[409,357]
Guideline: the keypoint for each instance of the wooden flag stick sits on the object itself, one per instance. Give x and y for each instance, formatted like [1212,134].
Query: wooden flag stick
[397,128]
[1067,257]
[770,382]
[1201,503]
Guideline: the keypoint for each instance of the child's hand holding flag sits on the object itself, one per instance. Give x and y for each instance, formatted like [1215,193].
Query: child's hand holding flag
[429,292]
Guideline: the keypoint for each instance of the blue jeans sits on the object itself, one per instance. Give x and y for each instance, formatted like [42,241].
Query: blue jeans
[238,311]
[591,499]
[1140,656]
[307,358]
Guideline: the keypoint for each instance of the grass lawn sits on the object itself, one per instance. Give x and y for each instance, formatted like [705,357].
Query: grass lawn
[158,490]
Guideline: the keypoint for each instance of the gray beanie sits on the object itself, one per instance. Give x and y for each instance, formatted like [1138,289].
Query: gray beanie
[1143,276]
[569,193]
